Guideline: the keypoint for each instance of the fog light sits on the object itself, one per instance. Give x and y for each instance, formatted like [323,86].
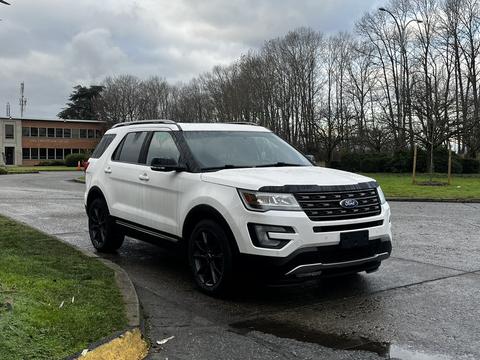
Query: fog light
[264,235]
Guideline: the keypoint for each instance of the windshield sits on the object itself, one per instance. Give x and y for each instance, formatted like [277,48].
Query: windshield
[235,149]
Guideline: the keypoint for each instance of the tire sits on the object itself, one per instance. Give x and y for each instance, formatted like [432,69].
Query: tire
[210,258]
[104,233]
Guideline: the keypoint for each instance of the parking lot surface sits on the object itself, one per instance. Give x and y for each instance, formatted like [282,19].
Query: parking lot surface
[423,303]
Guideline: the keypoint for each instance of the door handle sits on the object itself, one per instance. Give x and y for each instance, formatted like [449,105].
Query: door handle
[143,177]
[108,170]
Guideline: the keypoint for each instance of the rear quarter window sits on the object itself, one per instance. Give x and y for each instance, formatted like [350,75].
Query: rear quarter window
[103,145]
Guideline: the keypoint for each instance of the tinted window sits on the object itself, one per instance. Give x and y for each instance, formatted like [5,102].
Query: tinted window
[59,133]
[130,148]
[51,132]
[34,153]
[26,153]
[83,133]
[66,133]
[42,132]
[25,131]
[34,131]
[162,146]
[103,145]
[43,154]
[214,149]
[9,130]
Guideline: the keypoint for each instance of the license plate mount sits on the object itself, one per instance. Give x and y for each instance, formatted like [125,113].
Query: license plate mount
[354,239]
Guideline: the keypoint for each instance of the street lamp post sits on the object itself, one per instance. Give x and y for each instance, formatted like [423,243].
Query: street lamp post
[404,72]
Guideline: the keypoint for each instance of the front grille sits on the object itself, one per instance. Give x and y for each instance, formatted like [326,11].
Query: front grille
[325,205]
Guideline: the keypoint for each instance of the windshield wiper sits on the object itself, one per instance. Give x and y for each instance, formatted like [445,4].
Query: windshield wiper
[278,164]
[223,167]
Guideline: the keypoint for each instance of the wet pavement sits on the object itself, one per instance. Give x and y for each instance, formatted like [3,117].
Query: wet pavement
[423,303]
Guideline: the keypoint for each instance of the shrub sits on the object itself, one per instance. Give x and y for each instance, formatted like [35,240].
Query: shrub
[51,163]
[73,159]
[470,166]
[3,171]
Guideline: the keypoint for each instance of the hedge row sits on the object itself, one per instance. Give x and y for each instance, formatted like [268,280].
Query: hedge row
[403,161]
[73,159]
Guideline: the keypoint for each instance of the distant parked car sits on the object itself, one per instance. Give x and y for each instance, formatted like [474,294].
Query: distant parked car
[237,198]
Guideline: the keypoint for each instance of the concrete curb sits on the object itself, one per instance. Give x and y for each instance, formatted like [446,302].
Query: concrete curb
[467,201]
[129,294]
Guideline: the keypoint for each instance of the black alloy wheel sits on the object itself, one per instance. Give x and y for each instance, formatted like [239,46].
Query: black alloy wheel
[210,257]
[104,234]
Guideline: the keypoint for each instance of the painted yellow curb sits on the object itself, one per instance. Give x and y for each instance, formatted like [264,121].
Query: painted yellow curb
[128,346]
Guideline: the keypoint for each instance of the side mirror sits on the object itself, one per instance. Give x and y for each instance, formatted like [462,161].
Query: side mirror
[166,164]
[311,158]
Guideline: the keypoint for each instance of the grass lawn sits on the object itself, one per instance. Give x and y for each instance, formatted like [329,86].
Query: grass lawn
[30,169]
[463,187]
[54,301]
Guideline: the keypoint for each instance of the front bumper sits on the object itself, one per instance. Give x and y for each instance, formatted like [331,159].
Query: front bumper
[314,247]
[307,233]
[318,261]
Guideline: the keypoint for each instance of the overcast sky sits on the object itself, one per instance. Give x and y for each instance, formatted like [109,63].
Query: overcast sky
[53,45]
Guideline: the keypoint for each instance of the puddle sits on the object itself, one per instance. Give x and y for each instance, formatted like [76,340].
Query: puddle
[333,341]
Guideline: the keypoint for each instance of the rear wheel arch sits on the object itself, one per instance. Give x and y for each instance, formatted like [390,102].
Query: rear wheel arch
[95,193]
[207,212]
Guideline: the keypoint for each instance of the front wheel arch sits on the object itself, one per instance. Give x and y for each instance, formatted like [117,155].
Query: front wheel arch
[207,212]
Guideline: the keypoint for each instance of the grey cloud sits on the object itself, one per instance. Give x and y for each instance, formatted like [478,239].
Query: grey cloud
[53,45]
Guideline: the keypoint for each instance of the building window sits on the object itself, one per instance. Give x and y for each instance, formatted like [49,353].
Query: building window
[34,153]
[51,154]
[83,133]
[26,153]
[34,131]
[98,134]
[25,131]
[91,133]
[43,154]
[75,151]
[59,133]
[67,152]
[67,133]
[51,132]
[9,131]
[42,132]
[59,154]
[75,133]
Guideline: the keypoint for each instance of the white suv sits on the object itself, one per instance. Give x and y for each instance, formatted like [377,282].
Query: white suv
[237,198]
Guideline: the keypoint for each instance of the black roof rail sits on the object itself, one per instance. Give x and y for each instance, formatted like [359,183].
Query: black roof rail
[143,122]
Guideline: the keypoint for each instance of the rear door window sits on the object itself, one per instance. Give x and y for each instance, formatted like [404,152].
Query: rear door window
[130,148]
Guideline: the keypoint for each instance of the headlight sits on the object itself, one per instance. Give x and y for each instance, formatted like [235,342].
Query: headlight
[381,195]
[260,201]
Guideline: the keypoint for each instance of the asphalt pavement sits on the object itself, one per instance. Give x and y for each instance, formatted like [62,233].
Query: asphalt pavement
[423,303]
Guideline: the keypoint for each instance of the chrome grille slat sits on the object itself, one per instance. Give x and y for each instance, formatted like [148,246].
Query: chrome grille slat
[325,205]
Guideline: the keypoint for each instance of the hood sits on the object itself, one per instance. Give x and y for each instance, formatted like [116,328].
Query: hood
[256,178]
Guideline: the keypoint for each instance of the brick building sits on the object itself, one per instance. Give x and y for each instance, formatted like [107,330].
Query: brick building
[31,141]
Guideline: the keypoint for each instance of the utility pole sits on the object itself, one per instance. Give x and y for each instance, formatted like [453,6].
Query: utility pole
[8,110]
[23,99]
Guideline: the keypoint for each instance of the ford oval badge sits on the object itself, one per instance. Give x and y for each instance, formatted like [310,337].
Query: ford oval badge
[349,203]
